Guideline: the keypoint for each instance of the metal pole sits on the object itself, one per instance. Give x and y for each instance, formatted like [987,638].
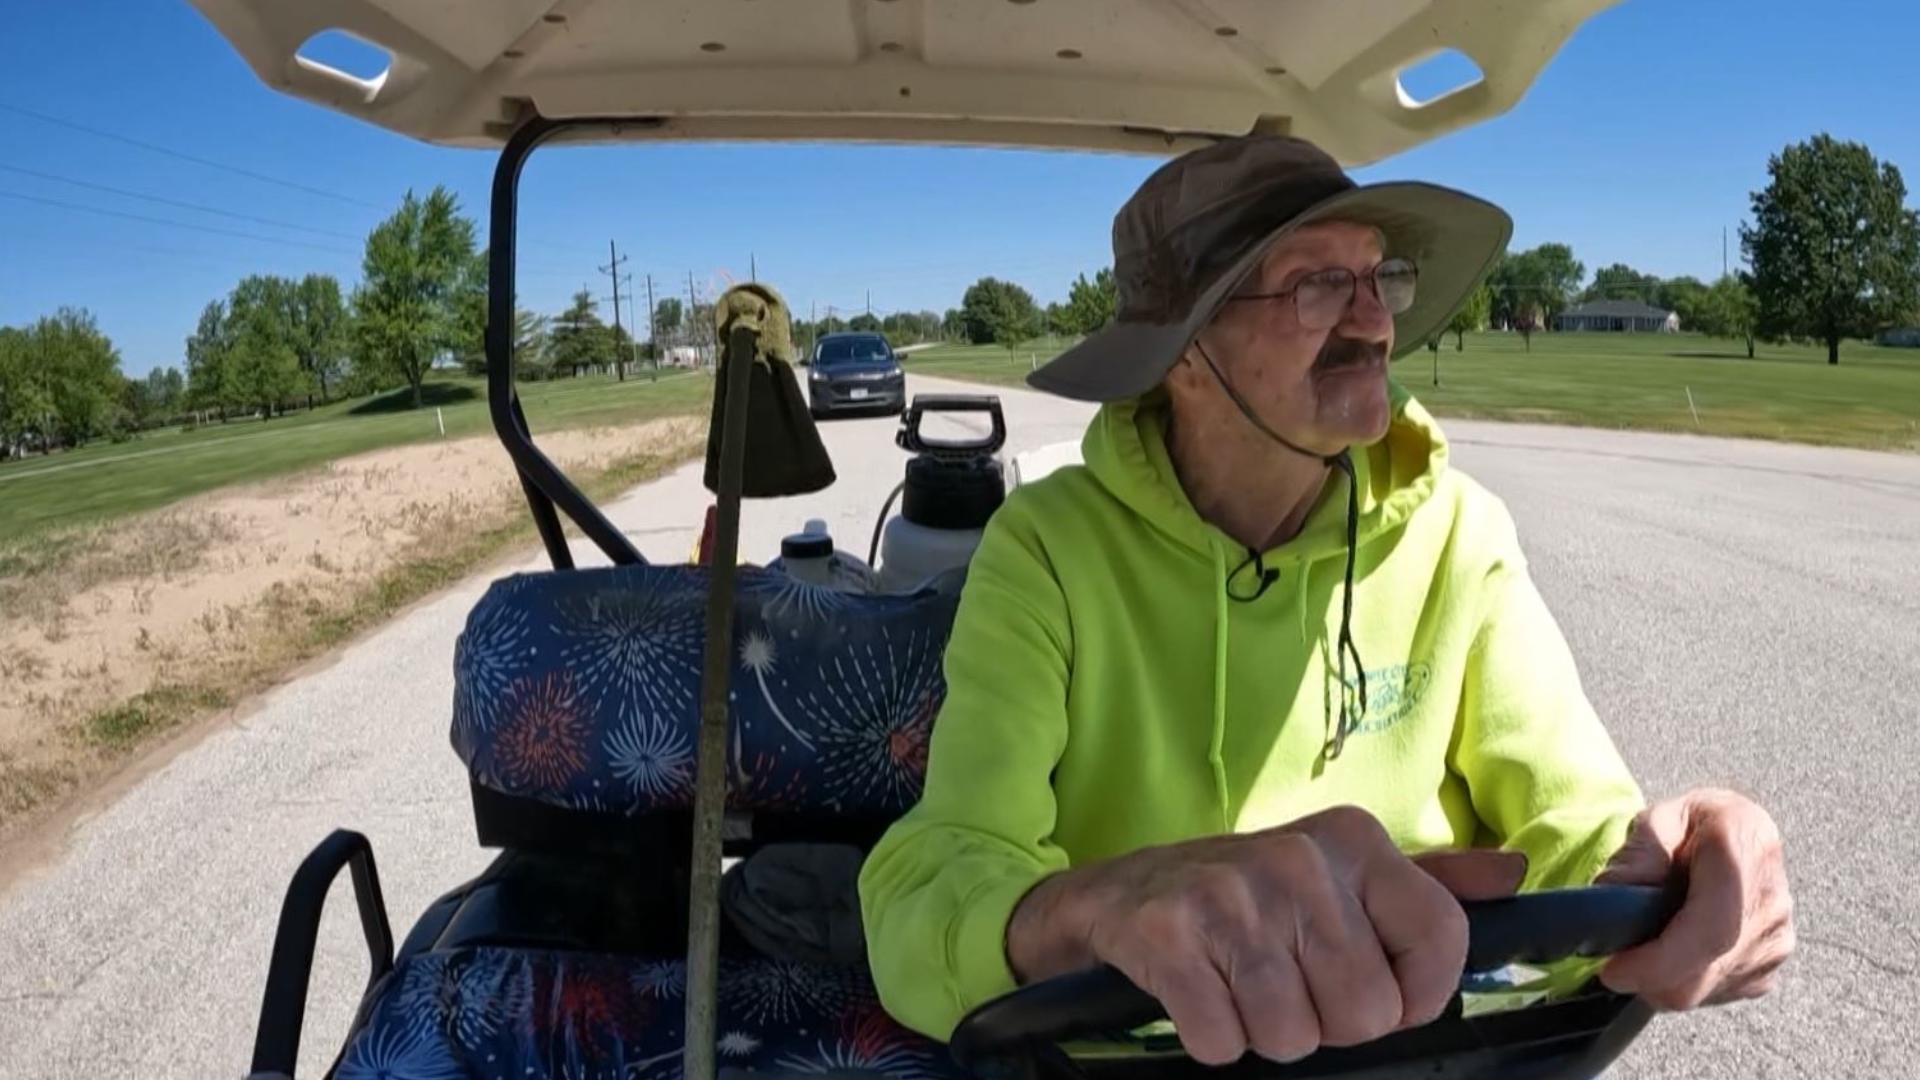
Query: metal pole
[710,773]
[693,333]
[653,340]
[613,273]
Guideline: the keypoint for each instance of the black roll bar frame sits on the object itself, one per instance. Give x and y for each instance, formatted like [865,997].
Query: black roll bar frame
[549,492]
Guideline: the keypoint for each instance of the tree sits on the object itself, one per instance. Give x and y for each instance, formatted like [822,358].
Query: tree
[407,308]
[666,317]
[998,311]
[1536,285]
[1728,310]
[1834,250]
[578,338]
[209,377]
[62,381]
[157,398]
[953,325]
[1737,307]
[1471,316]
[700,328]
[1091,304]
[1682,296]
[864,323]
[469,342]
[1056,319]
[26,396]
[263,366]
[1619,281]
[620,349]
[319,328]
[530,345]
[907,327]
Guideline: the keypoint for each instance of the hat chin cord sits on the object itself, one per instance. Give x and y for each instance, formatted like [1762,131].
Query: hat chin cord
[1348,718]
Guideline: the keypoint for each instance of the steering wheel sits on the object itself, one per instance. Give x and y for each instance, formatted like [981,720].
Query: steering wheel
[1019,1034]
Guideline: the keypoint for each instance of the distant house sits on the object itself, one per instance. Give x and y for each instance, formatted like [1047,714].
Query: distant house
[1618,315]
[687,356]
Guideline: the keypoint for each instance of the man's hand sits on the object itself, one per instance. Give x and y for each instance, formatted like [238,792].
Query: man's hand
[1735,928]
[1316,933]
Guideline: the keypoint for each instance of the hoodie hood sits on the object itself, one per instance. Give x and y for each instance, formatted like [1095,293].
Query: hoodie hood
[1126,451]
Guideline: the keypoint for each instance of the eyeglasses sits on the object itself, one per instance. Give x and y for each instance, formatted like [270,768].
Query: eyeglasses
[1321,299]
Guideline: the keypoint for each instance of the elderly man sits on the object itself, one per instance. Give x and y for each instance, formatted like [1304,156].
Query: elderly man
[1247,704]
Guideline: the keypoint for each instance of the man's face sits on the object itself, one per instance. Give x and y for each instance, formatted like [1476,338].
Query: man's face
[1324,388]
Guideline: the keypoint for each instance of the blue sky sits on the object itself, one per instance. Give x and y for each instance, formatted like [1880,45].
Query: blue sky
[1639,143]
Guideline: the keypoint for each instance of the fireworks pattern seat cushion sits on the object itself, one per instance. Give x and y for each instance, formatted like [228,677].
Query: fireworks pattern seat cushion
[581,689]
[514,1014]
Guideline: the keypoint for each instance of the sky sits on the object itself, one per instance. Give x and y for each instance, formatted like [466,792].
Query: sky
[1639,143]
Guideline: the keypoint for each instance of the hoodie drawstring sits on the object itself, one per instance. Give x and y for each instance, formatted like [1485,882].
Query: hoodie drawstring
[1349,718]
[1216,744]
[1265,576]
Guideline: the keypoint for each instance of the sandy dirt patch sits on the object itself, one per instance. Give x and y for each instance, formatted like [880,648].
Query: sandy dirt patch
[155,609]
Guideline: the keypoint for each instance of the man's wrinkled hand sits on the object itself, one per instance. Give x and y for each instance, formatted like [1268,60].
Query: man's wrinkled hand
[1317,933]
[1734,929]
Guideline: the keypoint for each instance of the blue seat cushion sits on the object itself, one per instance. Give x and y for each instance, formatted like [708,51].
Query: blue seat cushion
[581,689]
[509,1014]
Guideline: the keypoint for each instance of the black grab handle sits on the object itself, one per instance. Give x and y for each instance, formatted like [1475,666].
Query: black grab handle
[283,1007]
[908,437]
[1529,928]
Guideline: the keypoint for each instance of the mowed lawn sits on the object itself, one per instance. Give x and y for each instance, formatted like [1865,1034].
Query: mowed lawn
[1871,400]
[161,467]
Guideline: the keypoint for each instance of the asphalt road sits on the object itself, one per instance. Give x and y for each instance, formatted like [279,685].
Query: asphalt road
[1746,614]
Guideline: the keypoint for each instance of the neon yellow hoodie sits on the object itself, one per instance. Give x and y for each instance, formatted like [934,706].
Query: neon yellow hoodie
[1105,694]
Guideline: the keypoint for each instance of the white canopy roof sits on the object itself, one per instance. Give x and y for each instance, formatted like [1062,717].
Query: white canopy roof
[1142,75]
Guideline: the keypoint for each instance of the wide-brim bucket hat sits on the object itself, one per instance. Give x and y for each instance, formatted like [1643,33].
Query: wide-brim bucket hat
[1205,220]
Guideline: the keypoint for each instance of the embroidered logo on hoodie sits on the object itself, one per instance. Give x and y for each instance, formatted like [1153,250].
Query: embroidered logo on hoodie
[1392,695]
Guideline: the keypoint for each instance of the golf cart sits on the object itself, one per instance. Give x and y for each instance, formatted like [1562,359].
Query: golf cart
[630,730]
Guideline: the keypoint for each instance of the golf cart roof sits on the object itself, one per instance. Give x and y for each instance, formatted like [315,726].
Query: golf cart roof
[1150,76]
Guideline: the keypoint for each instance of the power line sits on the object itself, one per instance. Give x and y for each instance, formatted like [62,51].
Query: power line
[215,230]
[172,153]
[179,203]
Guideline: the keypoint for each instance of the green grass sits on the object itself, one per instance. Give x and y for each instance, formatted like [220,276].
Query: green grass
[1787,392]
[105,480]
[146,714]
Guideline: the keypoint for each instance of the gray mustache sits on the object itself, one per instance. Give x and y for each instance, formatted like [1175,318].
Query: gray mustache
[1340,351]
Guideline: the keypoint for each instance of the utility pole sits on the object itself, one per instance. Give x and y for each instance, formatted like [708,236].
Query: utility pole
[693,302]
[1723,251]
[753,268]
[612,270]
[653,337]
[869,303]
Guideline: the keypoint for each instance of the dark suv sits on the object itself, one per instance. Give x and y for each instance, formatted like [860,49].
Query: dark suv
[855,371]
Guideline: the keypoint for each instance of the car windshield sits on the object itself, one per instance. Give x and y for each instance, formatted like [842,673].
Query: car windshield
[860,350]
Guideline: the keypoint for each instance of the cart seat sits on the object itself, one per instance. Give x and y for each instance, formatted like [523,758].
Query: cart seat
[516,1013]
[580,691]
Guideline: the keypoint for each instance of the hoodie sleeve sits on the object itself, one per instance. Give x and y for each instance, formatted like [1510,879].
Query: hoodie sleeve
[937,891]
[1544,775]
